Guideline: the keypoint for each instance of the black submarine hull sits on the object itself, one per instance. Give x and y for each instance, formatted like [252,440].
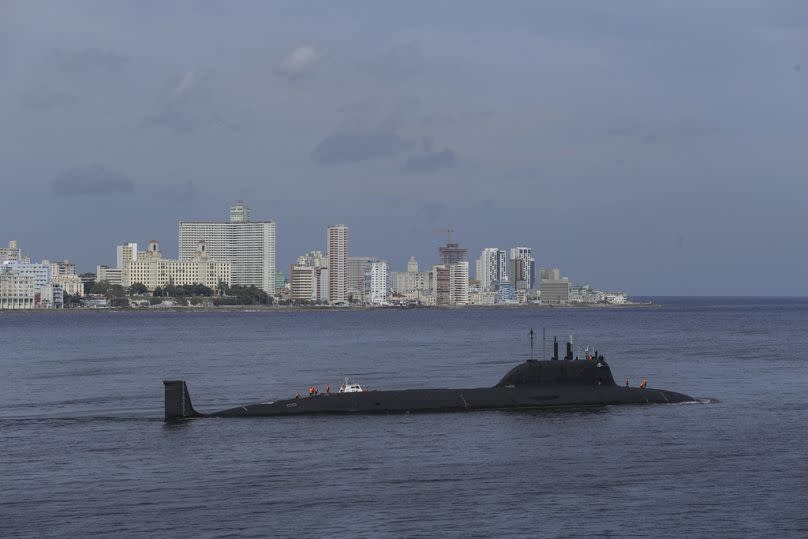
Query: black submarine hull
[178,405]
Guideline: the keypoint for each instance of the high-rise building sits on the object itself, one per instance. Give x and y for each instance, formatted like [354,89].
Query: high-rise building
[17,290]
[459,283]
[124,254]
[249,246]
[110,275]
[377,283]
[452,253]
[358,266]
[338,264]
[442,284]
[491,268]
[412,265]
[522,268]
[12,253]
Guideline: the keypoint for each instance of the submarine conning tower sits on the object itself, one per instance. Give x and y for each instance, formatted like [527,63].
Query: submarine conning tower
[592,372]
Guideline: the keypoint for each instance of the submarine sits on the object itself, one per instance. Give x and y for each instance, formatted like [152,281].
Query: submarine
[531,384]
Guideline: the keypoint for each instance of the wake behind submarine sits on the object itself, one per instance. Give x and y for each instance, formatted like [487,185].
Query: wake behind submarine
[533,384]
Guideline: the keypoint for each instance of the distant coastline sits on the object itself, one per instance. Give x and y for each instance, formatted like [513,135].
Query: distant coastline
[332,308]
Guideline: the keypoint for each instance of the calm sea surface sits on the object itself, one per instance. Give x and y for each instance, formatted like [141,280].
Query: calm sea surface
[84,450]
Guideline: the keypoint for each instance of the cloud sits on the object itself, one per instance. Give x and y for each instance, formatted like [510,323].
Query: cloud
[189,105]
[91,180]
[45,99]
[431,161]
[89,60]
[299,62]
[349,147]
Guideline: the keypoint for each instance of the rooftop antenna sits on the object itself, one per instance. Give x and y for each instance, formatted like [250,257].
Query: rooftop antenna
[449,234]
[531,343]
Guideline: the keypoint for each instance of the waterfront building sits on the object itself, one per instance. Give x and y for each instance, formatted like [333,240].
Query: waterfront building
[152,270]
[12,253]
[459,283]
[377,283]
[358,266]
[124,254]
[615,298]
[555,290]
[70,283]
[17,290]
[412,279]
[441,284]
[483,298]
[507,293]
[248,246]
[338,264]
[303,284]
[491,268]
[522,268]
[51,296]
[41,272]
[586,294]
[111,275]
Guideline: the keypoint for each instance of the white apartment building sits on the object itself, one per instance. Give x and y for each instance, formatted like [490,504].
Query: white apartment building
[40,272]
[17,290]
[377,283]
[337,264]
[51,296]
[459,283]
[153,270]
[491,268]
[249,246]
[12,253]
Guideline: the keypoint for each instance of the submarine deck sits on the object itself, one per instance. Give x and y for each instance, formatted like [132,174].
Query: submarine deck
[443,400]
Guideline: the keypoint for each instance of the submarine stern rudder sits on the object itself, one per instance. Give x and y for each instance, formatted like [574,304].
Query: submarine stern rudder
[178,401]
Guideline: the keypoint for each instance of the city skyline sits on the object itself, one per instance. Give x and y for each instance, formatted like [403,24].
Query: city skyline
[528,124]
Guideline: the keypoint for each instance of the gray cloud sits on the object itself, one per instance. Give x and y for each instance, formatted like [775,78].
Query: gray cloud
[431,161]
[89,60]
[46,99]
[189,105]
[352,147]
[91,180]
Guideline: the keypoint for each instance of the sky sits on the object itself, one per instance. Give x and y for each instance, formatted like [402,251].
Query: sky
[653,147]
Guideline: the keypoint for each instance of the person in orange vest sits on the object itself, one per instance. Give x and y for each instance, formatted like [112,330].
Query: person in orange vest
[644,383]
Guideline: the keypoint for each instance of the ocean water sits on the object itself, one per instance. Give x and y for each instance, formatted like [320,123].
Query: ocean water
[84,450]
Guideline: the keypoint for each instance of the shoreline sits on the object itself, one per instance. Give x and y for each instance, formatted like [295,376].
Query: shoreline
[329,308]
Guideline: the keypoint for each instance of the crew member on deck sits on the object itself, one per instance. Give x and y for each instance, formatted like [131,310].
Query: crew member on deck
[626,381]
[644,383]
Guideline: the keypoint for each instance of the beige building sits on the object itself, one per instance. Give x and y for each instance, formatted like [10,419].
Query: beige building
[152,270]
[110,275]
[303,283]
[17,291]
[70,283]
[337,264]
